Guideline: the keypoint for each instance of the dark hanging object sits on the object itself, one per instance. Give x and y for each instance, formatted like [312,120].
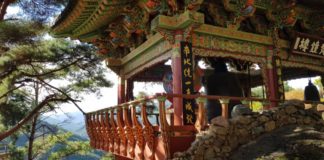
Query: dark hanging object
[311,93]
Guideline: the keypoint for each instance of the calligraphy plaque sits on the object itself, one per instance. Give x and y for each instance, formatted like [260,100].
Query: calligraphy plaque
[187,63]
[308,45]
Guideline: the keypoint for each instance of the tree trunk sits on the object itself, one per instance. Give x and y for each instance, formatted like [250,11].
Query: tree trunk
[3,8]
[32,137]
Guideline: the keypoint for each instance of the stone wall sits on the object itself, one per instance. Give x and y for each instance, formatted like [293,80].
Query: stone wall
[224,136]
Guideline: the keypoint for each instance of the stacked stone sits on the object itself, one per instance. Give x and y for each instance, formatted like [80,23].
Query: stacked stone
[223,136]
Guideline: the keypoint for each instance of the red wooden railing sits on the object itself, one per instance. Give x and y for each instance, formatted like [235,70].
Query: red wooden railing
[126,133]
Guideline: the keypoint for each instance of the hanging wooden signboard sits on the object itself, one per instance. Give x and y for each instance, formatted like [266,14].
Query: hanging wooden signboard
[189,116]
[308,45]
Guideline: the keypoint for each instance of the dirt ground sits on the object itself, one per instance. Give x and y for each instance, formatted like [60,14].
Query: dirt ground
[287,143]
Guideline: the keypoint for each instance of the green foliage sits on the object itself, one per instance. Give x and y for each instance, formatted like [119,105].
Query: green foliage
[257,106]
[19,32]
[27,59]
[16,153]
[108,156]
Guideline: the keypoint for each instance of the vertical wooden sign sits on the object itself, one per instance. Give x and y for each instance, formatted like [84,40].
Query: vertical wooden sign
[187,63]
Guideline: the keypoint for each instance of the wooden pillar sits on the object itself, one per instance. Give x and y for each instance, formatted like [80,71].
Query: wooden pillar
[177,79]
[129,90]
[121,89]
[274,79]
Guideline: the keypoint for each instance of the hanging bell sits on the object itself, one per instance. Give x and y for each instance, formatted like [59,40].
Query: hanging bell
[311,93]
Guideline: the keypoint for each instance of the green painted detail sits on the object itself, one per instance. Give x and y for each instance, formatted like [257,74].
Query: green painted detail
[177,22]
[238,35]
[157,38]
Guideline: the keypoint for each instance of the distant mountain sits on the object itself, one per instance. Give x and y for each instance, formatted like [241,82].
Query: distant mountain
[95,155]
[72,122]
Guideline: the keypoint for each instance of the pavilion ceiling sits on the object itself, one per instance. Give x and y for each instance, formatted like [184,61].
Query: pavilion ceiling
[116,27]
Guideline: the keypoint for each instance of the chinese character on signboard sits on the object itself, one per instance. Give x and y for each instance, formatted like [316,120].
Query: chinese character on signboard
[308,45]
[187,83]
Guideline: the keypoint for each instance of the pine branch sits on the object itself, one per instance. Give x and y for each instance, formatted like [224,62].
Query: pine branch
[11,90]
[48,99]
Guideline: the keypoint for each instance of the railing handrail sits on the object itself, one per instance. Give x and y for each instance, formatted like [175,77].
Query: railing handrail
[191,96]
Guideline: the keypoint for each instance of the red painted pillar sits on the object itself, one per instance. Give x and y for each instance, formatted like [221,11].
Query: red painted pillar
[129,90]
[272,79]
[177,79]
[121,89]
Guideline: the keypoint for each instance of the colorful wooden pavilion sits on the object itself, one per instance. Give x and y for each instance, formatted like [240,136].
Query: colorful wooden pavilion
[138,36]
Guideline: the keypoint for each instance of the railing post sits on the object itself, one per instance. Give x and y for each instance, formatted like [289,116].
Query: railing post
[138,131]
[164,126]
[129,132]
[201,119]
[224,102]
[148,130]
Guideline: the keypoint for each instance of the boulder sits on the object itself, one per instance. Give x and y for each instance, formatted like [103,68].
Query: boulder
[290,109]
[220,121]
[240,109]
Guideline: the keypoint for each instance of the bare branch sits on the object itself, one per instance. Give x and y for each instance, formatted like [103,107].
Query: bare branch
[71,99]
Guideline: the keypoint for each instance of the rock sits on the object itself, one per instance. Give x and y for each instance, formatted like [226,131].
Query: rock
[257,130]
[242,120]
[292,120]
[263,118]
[216,149]
[290,109]
[220,121]
[209,153]
[294,102]
[242,132]
[233,142]
[307,120]
[218,142]
[218,130]
[269,126]
[226,149]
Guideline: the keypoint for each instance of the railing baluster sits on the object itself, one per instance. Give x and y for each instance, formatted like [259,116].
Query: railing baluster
[164,126]
[102,130]
[107,130]
[121,132]
[201,118]
[138,131]
[129,131]
[114,131]
[148,131]
[96,133]
[89,128]
[111,131]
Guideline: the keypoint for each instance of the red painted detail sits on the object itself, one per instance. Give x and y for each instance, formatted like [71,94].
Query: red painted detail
[273,85]
[121,91]
[177,89]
